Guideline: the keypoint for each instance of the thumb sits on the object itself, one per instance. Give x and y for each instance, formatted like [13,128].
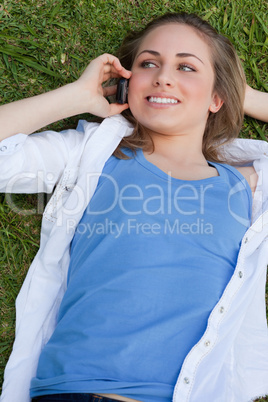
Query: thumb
[116,108]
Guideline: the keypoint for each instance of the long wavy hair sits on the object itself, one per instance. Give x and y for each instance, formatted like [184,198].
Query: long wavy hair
[229,84]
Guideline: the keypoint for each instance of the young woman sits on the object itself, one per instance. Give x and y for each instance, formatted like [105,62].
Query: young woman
[149,282]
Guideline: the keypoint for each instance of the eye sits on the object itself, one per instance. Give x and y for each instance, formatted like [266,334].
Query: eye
[186,67]
[147,64]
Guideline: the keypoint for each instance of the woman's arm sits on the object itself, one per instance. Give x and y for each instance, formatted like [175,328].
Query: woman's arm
[256,104]
[86,95]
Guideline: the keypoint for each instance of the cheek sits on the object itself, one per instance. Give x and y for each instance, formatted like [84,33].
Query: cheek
[193,85]
[199,90]
[134,92]
[137,83]
[131,89]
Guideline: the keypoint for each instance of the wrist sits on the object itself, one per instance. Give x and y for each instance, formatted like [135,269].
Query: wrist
[73,99]
[82,101]
[256,104]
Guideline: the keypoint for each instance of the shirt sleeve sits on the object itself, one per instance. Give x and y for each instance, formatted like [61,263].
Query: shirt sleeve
[34,163]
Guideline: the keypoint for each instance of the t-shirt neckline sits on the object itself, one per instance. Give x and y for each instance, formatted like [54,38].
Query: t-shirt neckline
[157,171]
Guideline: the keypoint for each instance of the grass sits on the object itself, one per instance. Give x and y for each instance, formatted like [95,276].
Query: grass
[46,44]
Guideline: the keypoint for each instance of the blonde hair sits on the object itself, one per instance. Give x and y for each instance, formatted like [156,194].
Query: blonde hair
[229,84]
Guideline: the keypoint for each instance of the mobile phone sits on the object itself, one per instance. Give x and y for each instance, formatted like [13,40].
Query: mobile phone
[122,91]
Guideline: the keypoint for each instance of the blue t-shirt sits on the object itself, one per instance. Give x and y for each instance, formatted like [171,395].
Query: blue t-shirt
[150,258]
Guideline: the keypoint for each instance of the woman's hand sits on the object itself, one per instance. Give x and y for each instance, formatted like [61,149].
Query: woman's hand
[91,86]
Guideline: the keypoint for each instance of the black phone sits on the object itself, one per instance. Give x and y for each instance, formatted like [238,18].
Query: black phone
[122,91]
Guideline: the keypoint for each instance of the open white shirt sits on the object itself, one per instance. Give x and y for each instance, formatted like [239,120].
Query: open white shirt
[230,362]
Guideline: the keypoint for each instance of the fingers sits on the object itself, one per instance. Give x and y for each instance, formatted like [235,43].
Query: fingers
[113,67]
[90,85]
[102,69]
[108,76]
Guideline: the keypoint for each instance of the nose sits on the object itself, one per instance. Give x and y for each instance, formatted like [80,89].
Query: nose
[164,77]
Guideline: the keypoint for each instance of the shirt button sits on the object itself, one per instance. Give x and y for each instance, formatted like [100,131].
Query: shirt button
[207,343]
[50,176]
[240,274]
[186,380]
[221,309]
[246,240]
[3,148]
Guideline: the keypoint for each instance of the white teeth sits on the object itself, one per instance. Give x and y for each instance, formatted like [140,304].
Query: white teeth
[153,99]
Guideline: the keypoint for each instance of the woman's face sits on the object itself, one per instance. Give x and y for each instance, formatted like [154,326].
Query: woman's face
[171,88]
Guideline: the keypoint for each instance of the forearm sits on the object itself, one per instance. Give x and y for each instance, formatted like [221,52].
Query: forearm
[30,114]
[86,95]
[256,104]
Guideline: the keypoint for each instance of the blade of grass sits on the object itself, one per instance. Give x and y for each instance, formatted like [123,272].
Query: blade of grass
[28,61]
[260,131]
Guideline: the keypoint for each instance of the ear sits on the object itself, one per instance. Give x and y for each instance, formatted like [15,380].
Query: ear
[216,103]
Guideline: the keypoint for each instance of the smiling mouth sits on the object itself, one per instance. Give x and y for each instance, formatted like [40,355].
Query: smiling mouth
[154,99]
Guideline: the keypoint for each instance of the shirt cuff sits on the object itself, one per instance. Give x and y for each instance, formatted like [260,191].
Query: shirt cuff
[12,144]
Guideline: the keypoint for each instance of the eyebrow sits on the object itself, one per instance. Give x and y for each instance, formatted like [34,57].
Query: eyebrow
[154,53]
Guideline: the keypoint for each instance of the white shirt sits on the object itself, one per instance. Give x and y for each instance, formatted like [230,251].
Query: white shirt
[230,362]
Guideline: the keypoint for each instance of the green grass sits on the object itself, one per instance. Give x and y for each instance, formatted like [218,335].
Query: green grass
[46,44]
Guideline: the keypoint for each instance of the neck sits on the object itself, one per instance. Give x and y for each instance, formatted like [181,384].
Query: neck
[182,149]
